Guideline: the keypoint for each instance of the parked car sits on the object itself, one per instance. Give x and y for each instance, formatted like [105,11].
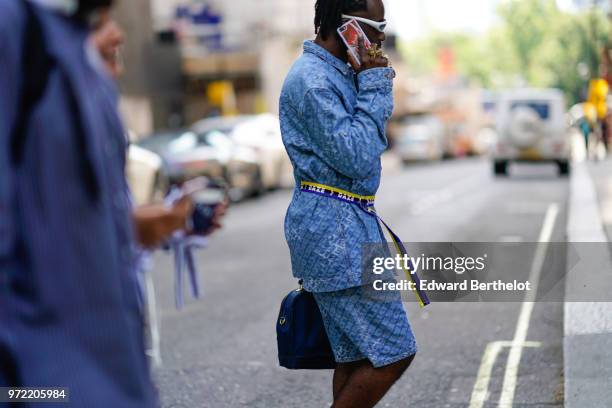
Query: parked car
[184,156]
[144,171]
[460,141]
[261,133]
[531,127]
[240,165]
[421,139]
[485,140]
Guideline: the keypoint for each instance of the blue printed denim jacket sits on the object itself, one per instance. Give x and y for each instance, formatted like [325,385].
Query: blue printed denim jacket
[333,124]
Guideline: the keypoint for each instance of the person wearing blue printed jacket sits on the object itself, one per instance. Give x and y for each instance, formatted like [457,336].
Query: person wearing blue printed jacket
[333,119]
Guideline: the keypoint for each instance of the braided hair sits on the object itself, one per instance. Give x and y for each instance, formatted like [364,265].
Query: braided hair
[328,14]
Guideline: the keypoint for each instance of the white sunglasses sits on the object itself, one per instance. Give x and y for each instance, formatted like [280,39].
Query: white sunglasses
[377,25]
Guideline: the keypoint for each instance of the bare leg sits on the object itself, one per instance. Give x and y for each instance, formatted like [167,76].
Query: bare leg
[342,373]
[367,385]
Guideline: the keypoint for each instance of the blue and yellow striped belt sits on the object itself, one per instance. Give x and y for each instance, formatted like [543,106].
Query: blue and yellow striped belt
[366,204]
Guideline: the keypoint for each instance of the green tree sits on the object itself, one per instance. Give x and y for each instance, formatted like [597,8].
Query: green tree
[534,44]
[528,27]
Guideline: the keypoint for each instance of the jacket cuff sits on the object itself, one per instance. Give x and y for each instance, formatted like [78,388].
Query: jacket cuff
[376,78]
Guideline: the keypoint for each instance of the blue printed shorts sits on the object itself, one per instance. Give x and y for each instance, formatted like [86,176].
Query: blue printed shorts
[361,326]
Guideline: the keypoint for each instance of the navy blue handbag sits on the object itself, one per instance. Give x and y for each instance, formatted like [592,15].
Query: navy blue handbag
[302,340]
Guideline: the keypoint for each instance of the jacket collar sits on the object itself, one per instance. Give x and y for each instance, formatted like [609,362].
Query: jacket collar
[312,48]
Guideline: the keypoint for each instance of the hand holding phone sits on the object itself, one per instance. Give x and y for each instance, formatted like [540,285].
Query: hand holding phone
[209,206]
[209,200]
[362,54]
[350,32]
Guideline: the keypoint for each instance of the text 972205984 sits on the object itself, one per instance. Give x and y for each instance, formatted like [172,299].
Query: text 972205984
[34,394]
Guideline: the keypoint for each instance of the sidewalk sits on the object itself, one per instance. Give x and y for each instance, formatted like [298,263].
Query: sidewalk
[601,173]
[588,325]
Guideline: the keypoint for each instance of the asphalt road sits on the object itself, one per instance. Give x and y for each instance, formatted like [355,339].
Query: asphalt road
[220,351]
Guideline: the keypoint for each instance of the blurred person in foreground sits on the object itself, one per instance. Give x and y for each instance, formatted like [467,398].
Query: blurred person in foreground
[69,315]
[333,118]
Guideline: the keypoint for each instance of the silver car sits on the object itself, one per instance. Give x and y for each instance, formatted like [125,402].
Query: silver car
[421,139]
[261,134]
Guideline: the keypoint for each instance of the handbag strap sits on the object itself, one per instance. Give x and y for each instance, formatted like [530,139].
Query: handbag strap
[366,204]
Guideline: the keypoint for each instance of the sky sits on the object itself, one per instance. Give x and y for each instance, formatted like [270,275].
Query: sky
[412,19]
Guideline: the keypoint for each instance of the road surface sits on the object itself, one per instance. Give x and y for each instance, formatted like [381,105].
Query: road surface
[220,351]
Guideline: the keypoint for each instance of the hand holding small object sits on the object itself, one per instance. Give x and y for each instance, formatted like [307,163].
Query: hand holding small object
[372,57]
[155,223]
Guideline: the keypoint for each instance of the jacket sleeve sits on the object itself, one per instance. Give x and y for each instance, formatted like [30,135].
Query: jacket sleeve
[351,143]
[10,57]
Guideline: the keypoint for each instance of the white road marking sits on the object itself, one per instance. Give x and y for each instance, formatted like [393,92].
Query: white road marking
[480,393]
[514,357]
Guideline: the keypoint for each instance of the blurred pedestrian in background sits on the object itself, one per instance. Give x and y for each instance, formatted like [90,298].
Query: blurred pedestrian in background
[108,37]
[333,120]
[587,123]
[69,315]
[154,223]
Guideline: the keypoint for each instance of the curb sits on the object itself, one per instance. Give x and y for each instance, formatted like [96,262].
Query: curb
[587,338]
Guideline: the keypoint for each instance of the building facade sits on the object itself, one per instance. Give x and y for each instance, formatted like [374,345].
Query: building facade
[242,46]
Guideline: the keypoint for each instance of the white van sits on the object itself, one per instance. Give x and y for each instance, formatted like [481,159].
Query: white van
[531,127]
